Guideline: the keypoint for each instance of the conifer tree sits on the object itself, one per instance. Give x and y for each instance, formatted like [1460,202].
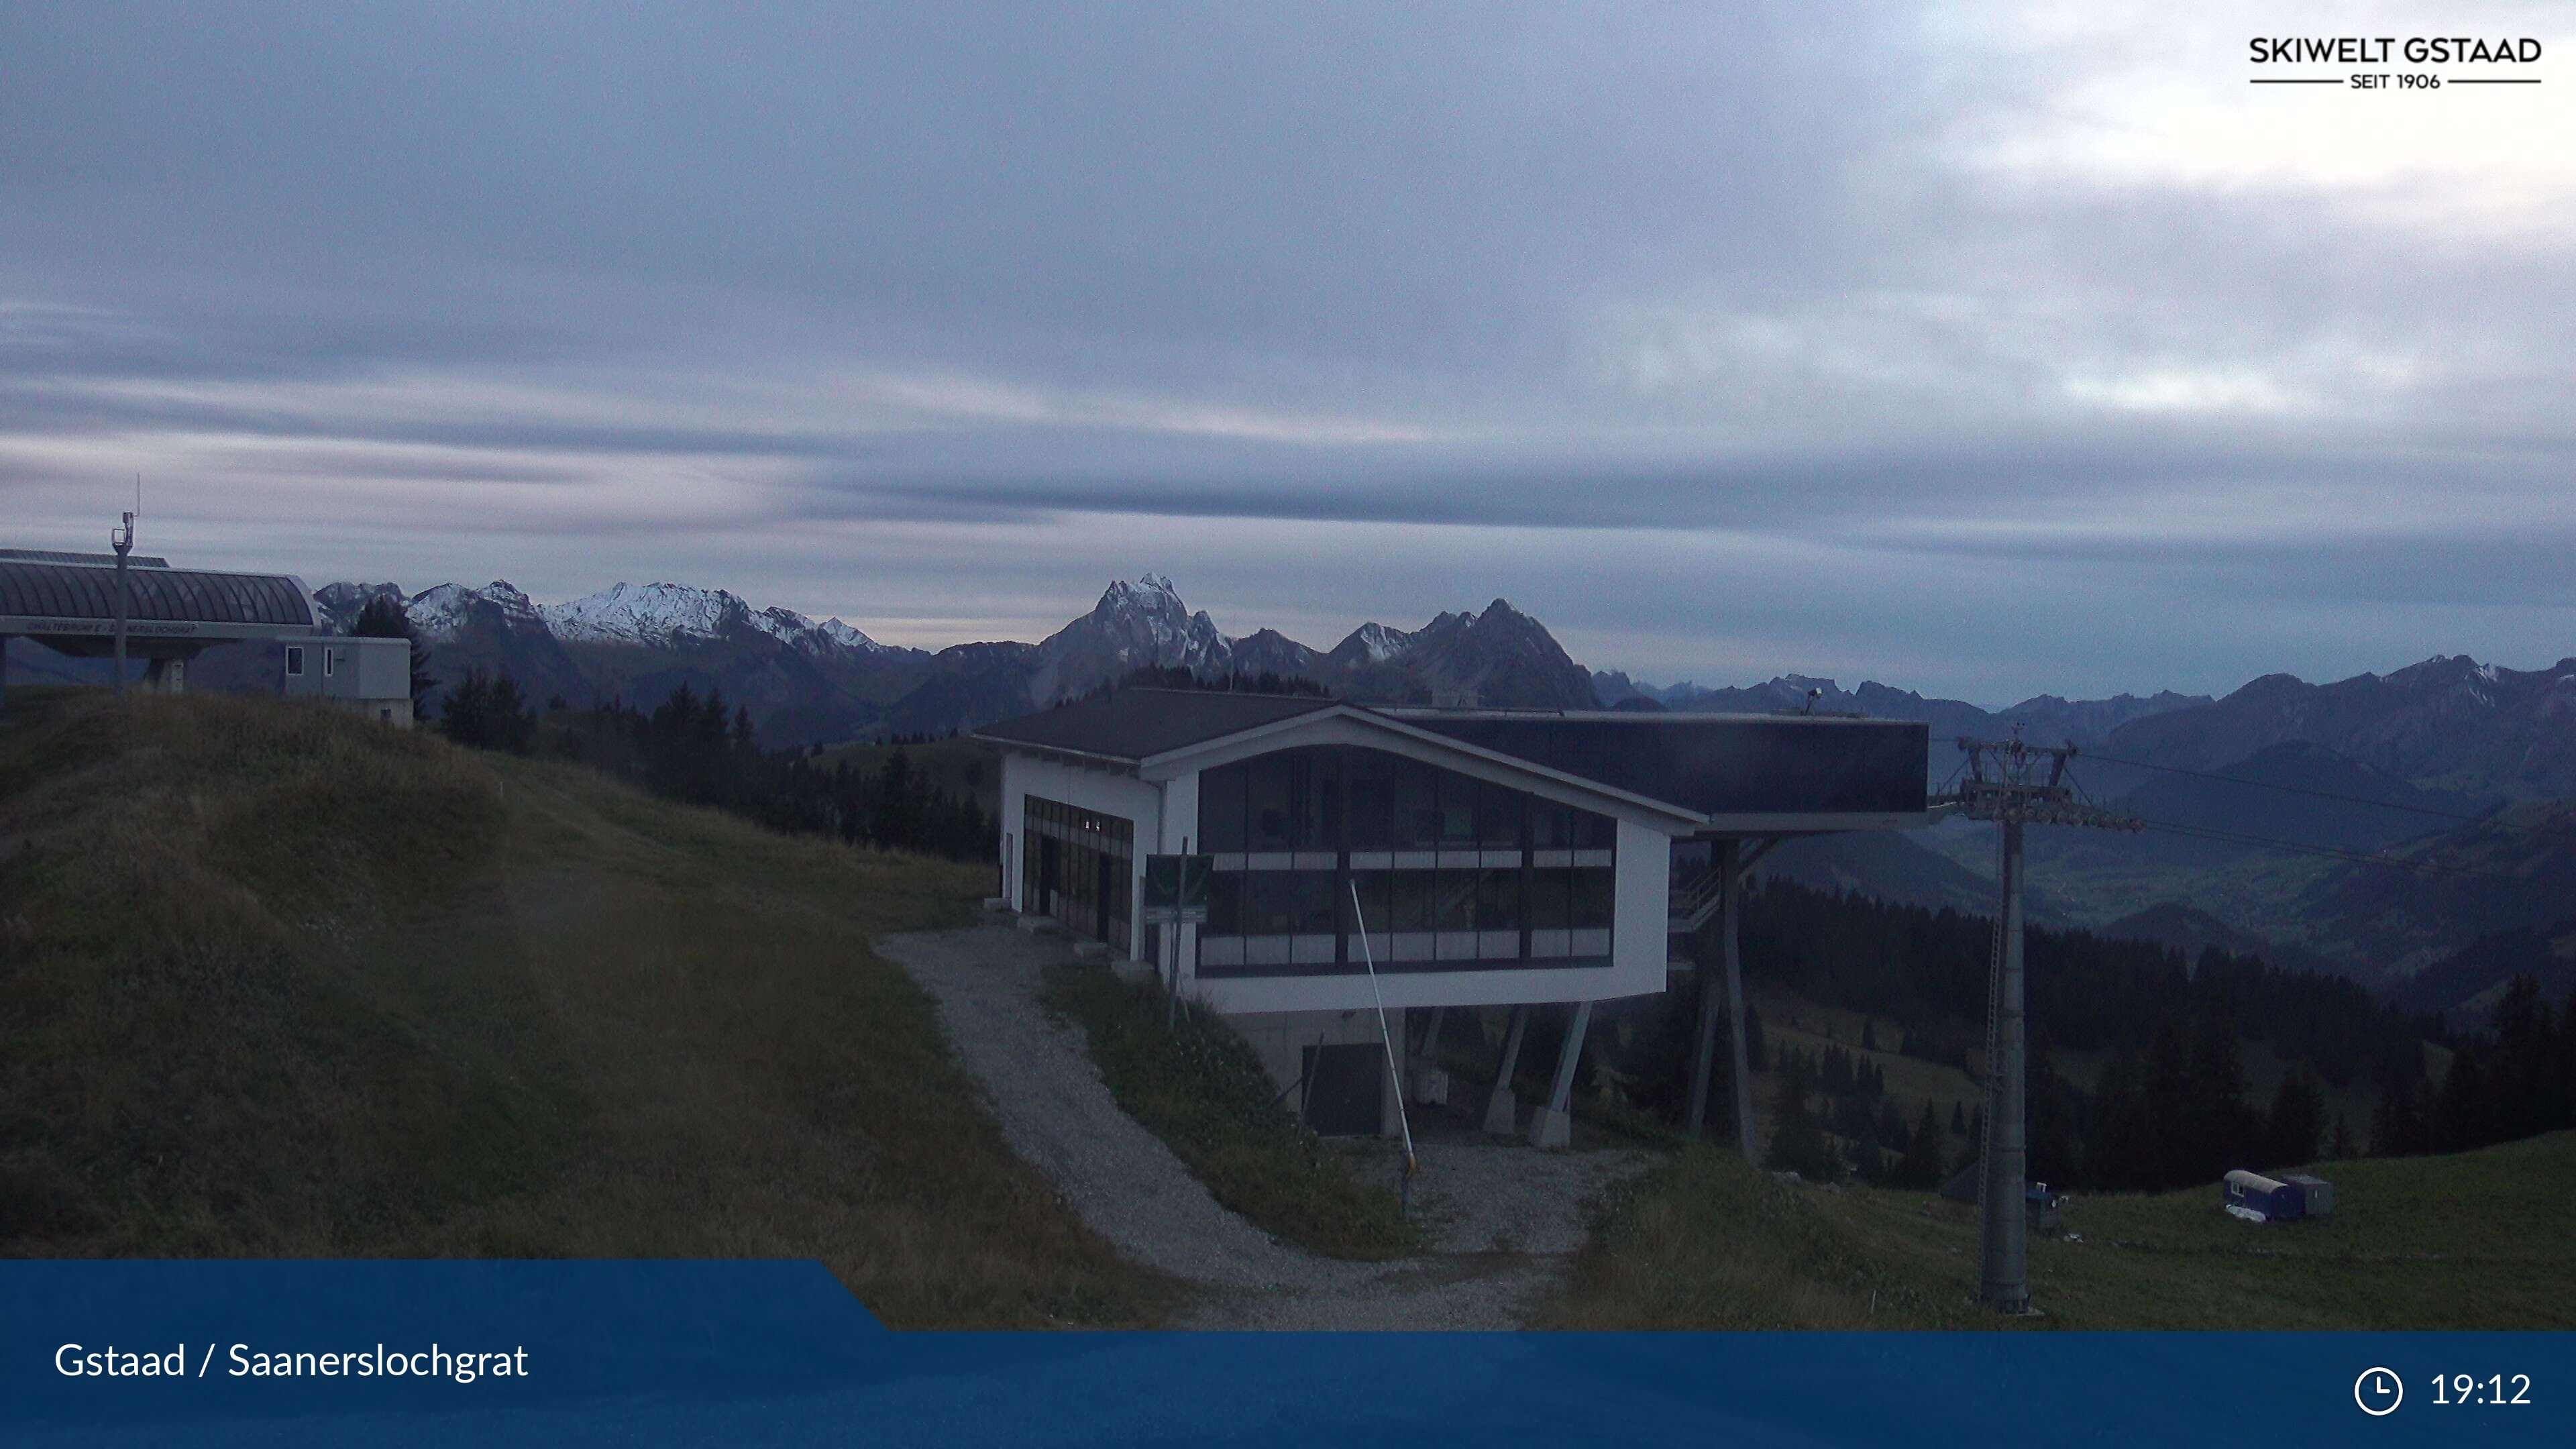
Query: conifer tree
[2296,1121]
[1798,1145]
[1920,1166]
[385,618]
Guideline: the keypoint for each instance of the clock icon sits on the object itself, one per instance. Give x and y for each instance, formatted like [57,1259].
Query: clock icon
[2378,1392]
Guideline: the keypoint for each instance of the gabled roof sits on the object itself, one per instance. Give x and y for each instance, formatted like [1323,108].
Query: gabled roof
[1135,724]
[1696,767]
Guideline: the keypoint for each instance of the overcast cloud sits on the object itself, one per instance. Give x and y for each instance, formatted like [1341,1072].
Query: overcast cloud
[1982,349]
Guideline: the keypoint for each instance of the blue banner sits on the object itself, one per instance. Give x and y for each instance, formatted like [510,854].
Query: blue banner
[579,1353]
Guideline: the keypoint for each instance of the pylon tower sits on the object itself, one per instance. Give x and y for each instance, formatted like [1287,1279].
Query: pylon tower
[2014,784]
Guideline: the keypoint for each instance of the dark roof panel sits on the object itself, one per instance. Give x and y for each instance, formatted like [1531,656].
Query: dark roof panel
[1134,724]
[49,555]
[1698,764]
[1717,765]
[158,595]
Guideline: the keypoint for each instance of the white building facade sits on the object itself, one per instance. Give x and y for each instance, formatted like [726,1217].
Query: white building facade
[368,676]
[1474,858]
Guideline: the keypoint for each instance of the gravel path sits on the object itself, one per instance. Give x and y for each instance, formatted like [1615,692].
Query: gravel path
[1502,1216]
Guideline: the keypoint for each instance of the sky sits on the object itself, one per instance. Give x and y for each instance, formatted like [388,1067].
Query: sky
[1982,349]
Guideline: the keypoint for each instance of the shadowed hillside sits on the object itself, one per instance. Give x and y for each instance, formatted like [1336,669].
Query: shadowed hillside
[278,981]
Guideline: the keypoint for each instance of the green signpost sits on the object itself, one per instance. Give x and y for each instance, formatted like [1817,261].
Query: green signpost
[1176,889]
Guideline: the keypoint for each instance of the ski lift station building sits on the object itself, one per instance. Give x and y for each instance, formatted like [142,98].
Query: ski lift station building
[1493,858]
[68,602]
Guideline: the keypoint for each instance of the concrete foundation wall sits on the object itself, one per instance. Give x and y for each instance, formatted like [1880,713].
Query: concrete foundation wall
[1281,1037]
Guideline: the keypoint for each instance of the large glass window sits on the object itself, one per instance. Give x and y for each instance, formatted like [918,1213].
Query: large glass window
[1319,804]
[1371,818]
[1225,904]
[1289,902]
[1498,817]
[1375,890]
[1416,905]
[1267,908]
[1273,820]
[1310,902]
[1592,898]
[1221,819]
[1551,826]
[1455,891]
[1551,898]
[1417,805]
[1519,878]
[1458,797]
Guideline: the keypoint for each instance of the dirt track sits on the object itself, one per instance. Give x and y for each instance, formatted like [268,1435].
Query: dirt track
[1503,1217]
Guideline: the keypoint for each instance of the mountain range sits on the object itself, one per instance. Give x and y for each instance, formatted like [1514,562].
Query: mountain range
[2266,796]
[2448,735]
[810,682]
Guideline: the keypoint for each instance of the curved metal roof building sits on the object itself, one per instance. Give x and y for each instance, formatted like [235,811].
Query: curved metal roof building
[68,602]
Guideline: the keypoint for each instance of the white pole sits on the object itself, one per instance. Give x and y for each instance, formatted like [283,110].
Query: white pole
[1384,1038]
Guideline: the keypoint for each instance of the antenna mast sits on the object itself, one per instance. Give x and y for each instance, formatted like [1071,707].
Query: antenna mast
[2005,784]
[122,540]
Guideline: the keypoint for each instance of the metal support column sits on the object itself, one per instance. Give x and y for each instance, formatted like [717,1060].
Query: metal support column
[1424,1079]
[1704,1055]
[1729,857]
[2006,1273]
[1552,1125]
[2003,785]
[1502,1110]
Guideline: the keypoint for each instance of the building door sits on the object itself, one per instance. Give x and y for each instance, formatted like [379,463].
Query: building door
[1100,898]
[1345,1089]
[1050,872]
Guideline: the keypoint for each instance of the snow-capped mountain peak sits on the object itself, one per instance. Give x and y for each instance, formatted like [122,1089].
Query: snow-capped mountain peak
[651,615]
[785,625]
[798,632]
[1149,617]
[440,612]
[1380,642]
[1134,625]
[849,638]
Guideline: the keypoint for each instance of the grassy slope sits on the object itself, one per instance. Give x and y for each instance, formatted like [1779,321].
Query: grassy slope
[274,981]
[1792,1020]
[2480,1240]
[1199,1087]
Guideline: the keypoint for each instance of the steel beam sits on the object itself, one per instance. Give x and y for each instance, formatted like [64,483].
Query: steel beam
[1704,1052]
[1551,1126]
[1502,1110]
[1732,937]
